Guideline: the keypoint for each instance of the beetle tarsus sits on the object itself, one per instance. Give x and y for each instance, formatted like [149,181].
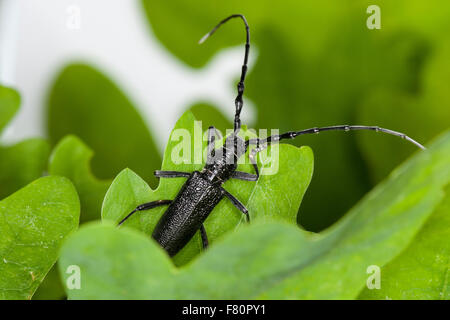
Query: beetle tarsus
[245,176]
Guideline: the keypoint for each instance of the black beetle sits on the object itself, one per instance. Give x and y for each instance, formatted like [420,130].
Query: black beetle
[203,189]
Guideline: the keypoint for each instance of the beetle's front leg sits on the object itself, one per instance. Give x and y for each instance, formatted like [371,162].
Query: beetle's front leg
[171,174]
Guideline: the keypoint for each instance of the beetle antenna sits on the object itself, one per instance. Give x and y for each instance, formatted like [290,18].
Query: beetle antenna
[294,134]
[240,86]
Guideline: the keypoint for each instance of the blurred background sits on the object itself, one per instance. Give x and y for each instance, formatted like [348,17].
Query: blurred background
[118,74]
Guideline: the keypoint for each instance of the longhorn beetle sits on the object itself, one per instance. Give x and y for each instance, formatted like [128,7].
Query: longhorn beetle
[203,189]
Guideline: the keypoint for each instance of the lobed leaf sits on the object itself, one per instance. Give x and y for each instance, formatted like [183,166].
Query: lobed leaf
[71,159]
[34,221]
[272,197]
[23,162]
[422,270]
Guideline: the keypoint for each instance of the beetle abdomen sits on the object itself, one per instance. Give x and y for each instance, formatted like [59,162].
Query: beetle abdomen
[184,216]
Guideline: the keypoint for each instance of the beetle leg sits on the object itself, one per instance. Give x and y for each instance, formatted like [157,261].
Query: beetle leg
[146,206]
[205,242]
[171,174]
[244,176]
[237,204]
[252,154]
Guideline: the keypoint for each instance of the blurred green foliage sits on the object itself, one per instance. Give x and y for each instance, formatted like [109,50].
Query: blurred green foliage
[85,103]
[9,105]
[71,158]
[422,113]
[22,162]
[318,64]
[210,116]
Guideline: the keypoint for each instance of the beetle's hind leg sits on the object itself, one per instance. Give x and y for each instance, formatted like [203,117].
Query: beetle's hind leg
[146,206]
[205,242]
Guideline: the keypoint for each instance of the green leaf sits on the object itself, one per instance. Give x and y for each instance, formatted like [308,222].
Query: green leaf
[33,223]
[143,264]
[87,104]
[271,260]
[23,162]
[71,158]
[51,287]
[422,270]
[314,67]
[295,167]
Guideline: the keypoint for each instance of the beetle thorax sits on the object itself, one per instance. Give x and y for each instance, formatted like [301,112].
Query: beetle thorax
[224,162]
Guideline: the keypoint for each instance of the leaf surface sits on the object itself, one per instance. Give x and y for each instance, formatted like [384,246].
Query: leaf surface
[85,103]
[422,271]
[33,223]
[71,159]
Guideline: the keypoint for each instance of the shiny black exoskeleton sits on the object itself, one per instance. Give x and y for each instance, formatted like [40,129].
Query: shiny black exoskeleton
[199,196]
[203,189]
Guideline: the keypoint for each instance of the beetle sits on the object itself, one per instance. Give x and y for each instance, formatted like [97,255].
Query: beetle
[203,189]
